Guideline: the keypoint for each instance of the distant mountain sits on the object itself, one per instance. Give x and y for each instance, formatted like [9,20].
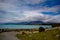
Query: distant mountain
[25,23]
[30,23]
[36,22]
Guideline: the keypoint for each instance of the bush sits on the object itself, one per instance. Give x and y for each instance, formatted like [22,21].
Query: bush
[23,33]
[41,29]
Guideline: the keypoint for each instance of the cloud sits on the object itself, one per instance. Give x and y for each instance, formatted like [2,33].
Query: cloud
[55,19]
[47,9]
[34,1]
[19,11]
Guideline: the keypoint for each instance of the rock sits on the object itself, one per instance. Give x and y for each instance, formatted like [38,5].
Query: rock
[57,35]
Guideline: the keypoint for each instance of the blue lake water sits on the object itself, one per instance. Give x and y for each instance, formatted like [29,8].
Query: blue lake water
[23,26]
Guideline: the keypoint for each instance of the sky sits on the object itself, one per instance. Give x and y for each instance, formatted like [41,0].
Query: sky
[29,10]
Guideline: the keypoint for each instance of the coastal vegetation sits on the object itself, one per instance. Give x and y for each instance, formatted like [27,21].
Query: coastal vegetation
[52,34]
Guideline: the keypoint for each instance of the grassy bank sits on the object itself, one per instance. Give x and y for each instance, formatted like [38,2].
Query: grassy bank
[52,34]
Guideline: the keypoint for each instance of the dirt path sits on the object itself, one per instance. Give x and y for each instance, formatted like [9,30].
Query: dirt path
[8,36]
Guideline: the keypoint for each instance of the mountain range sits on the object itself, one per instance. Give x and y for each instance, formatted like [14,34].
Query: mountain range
[28,23]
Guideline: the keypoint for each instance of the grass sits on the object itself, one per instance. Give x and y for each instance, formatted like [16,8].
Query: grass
[52,34]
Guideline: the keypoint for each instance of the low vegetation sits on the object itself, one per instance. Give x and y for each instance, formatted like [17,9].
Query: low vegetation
[53,34]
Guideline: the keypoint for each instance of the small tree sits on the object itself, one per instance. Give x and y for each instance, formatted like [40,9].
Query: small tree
[41,29]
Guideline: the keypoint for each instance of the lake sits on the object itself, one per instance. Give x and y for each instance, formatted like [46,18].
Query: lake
[23,26]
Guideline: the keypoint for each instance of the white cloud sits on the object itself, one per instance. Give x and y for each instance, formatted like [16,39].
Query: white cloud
[16,12]
[34,1]
[32,15]
[47,9]
[55,19]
